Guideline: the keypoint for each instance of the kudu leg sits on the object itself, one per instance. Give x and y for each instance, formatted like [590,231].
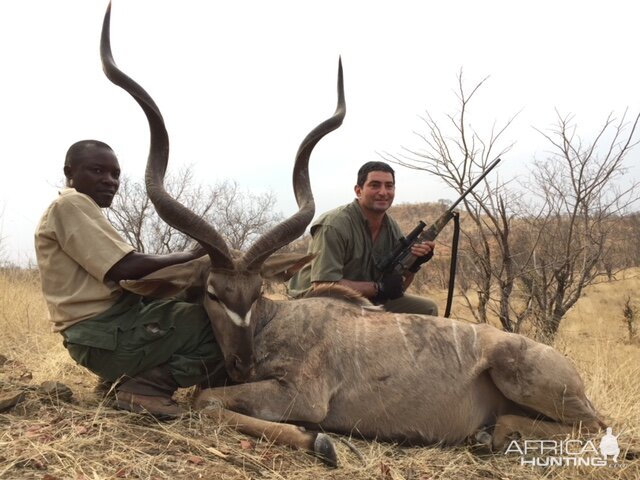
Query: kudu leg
[543,380]
[528,428]
[269,400]
[279,433]
[266,403]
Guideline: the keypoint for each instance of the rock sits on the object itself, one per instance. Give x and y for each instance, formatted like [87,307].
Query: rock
[10,399]
[56,390]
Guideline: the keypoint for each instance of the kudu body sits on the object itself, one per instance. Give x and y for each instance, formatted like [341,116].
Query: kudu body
[340,365]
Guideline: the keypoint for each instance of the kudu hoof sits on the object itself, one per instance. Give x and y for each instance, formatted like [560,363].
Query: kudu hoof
[483,438]
[323,448]
[480,443]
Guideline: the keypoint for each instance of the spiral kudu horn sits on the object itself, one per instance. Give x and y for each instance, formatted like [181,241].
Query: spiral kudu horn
[169,209]
[294,226]
[183,219]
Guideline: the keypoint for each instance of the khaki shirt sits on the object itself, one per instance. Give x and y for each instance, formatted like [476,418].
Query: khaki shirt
[76,246]
[344,248]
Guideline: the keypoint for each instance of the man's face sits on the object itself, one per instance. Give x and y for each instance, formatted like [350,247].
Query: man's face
[376,195]
[95,172]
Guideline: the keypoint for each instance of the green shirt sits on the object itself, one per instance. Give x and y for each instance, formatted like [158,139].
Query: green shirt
[341,240]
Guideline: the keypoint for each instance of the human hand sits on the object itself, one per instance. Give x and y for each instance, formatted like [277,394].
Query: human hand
[424,252]
[423,249]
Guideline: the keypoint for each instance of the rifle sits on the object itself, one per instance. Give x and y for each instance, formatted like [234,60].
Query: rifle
[401,259]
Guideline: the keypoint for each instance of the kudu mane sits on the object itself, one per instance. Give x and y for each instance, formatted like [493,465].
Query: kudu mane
[341,292]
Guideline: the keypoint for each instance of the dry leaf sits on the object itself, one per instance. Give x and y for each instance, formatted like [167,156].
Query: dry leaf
[37,464]
[195,459]
[122,473]
[246,445]
[385,470]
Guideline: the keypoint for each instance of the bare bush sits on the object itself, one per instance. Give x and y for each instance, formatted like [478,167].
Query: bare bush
[456,153]
[242,217]
[580,187]
[630,314]
[238,216]
[530,259]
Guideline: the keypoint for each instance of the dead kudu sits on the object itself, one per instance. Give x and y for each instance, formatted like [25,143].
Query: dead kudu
[340,366]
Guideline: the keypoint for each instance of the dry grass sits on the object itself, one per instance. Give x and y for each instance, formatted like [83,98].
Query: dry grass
[47,438]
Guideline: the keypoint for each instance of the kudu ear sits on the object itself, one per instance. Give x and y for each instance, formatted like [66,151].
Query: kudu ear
[183,279]
[280,267]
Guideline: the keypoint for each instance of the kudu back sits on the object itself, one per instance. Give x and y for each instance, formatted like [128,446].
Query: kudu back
[339,364]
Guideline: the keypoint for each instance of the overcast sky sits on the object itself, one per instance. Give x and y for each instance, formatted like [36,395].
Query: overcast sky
[241,83]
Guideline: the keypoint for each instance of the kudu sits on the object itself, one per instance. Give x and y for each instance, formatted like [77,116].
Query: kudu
[343,366]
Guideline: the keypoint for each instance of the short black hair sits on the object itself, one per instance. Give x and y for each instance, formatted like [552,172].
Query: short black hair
[78,148]
[373,167]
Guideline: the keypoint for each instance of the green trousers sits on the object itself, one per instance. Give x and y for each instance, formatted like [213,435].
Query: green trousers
[412,304]
[137,334]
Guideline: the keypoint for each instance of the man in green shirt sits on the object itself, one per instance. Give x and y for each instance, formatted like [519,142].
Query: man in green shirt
[349,240]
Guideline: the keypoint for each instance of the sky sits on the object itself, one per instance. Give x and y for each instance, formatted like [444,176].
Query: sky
[241,83]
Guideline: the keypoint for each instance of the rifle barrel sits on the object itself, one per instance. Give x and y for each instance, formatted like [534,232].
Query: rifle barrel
[476,182]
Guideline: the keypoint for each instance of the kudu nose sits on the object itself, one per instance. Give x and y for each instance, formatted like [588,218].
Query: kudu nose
[240,371]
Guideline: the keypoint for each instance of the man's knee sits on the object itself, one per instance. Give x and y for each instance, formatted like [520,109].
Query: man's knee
[432,308]
[427,306]
[412,304]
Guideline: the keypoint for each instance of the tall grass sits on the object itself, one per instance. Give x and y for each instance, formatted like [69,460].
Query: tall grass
[46,437]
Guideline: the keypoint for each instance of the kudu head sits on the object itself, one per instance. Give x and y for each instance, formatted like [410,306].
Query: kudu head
[234,281]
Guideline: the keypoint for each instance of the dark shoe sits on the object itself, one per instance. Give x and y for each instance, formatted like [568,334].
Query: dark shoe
[104,388]
[156,405]
[156,381]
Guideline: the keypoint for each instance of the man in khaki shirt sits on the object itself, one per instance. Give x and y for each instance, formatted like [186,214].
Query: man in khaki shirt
[150,347]
[349,240]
